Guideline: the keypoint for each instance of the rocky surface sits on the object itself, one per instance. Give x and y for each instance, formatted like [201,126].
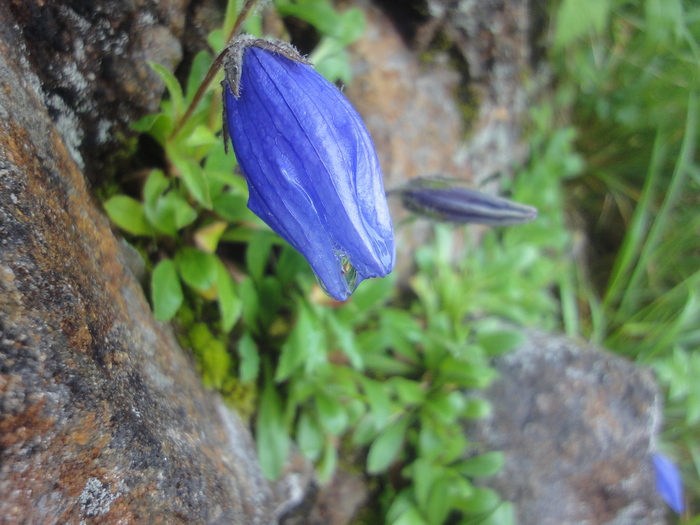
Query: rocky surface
[102,416]
[578,426]
[441,88]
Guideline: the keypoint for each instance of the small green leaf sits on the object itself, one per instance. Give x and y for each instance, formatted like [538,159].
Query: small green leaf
[387,446]
[202,136]
[230,304]
[166,290]
[258,253]
[409,392]
[173,86]
[128,214]
[331,414]
[476,408]
[410,517]
[207,238]
[378,400]
[231,206]
[503,515]
[486,464]
[198,70]
[251,304]
[482,500]
[423,474]
[309,437]
[500,341]
[192,174]
[439,503]
[250,358]
[197,269]
[345,337]
[351,27]
[328,463]
[272,439]
[304,347]
[577,18]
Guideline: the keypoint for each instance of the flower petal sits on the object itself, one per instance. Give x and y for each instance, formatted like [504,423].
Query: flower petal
[668,482]
[310,164]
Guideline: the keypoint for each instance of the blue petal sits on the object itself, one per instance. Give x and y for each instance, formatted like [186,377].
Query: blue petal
[313,174]
[668,482]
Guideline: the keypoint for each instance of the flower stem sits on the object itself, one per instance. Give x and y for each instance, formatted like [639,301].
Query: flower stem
[214,69]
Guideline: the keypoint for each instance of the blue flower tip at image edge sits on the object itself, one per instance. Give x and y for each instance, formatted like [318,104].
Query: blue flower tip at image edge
[311,167]
[668,482]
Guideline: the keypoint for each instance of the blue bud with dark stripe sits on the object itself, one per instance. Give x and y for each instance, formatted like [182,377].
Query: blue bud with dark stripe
[448,200]
[310,164]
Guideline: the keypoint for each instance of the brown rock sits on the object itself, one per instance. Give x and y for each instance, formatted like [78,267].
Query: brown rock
[102,417]
[411,107]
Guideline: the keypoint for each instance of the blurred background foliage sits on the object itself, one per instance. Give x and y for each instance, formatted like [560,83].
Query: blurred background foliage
[612,257]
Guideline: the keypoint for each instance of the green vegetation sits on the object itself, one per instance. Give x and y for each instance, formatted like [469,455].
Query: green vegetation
[385,373]
[634,68]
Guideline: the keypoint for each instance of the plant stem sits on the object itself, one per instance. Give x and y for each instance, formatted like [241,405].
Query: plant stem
[214,69]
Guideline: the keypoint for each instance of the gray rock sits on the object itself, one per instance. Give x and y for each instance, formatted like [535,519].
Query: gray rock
[103,418]
[578,426]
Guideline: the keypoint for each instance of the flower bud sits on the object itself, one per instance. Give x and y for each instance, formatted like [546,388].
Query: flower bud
[310,164]
[445,200]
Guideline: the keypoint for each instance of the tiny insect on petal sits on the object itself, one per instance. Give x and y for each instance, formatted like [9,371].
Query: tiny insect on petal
[311,168]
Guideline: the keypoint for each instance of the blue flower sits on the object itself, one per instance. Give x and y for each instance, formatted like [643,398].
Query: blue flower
[668,482]
[311,167]
[445,200]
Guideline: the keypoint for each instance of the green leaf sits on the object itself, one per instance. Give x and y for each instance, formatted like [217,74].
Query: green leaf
[504,514]
[303,347]
[378,400]
[165,290]
[198,269]
[486,464]
[385,449]
[128,214]
[173,86]
[328,463]
[258,254]
[410,517]
[481,501]
[250,358]
[230,304]
[309,437]
[423,474]
[202,136]
[351,27]
[409,392]
[272,439]
[318,13]
[331,414]
[192,174]
[207,238]
[232,207]
[156,184]
[446,406]
[439,503]
[345,337]
[198,70]
[500,341]
[576,18]
[251,304]
[167,212]
[477,408]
